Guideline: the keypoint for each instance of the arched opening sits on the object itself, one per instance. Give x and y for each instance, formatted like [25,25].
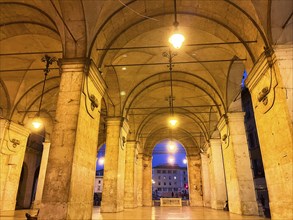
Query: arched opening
[98,188]
[169,171]
[30,170]
[259,178]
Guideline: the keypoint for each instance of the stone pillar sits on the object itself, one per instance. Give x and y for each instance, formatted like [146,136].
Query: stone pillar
[240,186]
[194,180]
[206,189]
[130,198]
[274,126]
[217,177]
[139,176]
[114,168]
[69,181]
[147,181]
[13,139]
[42,173]
[284,55]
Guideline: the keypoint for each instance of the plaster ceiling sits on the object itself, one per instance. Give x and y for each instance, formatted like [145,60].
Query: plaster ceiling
[223,38]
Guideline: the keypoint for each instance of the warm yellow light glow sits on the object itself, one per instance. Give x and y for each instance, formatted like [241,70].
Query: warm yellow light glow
[171,159]
[37,123]
[177,40]
[173,121]
[172,147]
[153,182]
[184,161]
[101,161]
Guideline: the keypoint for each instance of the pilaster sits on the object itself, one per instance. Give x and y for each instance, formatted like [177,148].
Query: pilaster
[130,198]
[69,182]
[240,187]
[139,178]
[194,180]
[114,168]
[13,139]
[42,173]
[217,177]
[206,189]
[273,116]
[147,181]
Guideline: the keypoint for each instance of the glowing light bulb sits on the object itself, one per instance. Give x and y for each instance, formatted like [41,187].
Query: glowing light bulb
[101,161]
[171,159]
[177,40]
[37,123]
[184,161]
[173,122]
[172,148]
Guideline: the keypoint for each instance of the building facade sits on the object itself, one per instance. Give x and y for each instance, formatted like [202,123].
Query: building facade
[169,181]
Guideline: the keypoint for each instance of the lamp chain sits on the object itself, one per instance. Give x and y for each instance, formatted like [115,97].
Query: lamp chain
[49,61]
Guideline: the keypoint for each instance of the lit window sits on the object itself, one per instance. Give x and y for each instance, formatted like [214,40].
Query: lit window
[175,177]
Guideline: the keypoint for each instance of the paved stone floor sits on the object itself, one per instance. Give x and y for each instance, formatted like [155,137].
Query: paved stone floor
[164,213]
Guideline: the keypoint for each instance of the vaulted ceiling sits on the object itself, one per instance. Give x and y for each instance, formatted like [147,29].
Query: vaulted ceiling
[126,40]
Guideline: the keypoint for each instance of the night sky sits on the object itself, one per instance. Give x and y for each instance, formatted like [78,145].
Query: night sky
[160,154]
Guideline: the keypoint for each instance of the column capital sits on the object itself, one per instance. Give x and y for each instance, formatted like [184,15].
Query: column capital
[215,141]
[264,62]
[114,121]
[46,145]
[222,122]
[235,116]
[94,74]
[73,64]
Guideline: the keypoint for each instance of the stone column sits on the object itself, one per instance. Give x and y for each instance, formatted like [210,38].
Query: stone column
[42,173]
[139,176]
[206,189]
[13,139]
[147,181]
[130,199]
[240,186]
[270,98]
[217,177]
[194,180]
[114,168]
[69,181]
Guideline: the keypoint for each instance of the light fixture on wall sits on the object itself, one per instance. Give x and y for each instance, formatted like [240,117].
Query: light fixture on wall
[172,119]
[176,38]
[37,122]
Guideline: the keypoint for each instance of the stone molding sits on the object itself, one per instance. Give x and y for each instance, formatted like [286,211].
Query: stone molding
[96,78]
[9,144]
[73,64]
[215,141]
[259,69]
[222,123]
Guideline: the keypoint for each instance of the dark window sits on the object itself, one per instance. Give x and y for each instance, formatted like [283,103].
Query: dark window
[158,171]
[169,171]
[174,171]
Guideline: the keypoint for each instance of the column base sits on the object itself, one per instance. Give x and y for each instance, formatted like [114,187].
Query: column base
[110,208]
[218,204]
[195,203]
